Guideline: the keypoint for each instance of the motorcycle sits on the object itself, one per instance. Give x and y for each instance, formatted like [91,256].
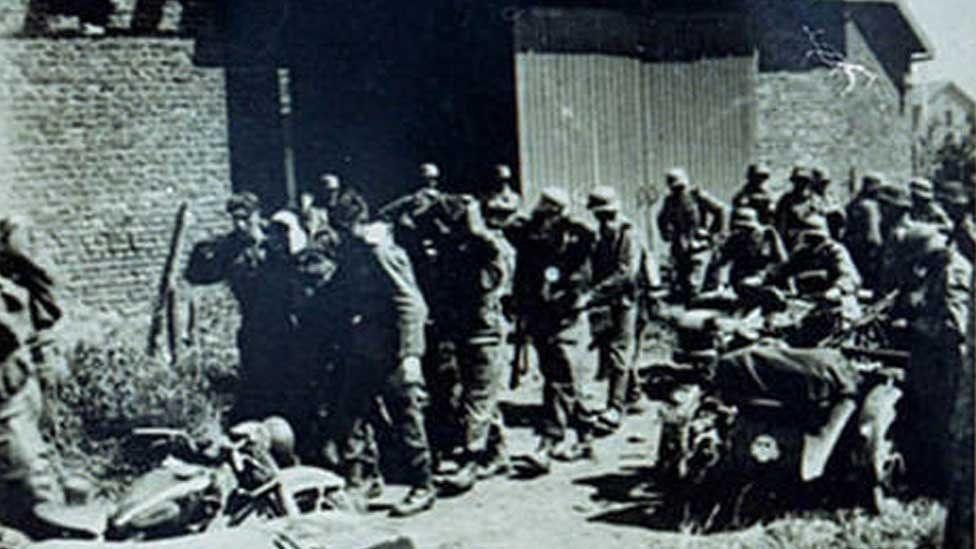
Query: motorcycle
[205,486]
[753,425]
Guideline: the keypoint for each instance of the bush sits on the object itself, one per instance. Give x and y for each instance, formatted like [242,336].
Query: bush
[108,385]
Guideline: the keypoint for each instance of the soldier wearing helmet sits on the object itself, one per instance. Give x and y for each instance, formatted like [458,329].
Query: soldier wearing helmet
[924,208]
[934,302]
[751,250]
[552,276]
[863,236]
[819,267]
[616,264]
[755,194]
[689,220]
[795,205]
[957,202]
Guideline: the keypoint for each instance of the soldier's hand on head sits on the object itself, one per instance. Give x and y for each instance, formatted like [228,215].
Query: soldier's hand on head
[411,371]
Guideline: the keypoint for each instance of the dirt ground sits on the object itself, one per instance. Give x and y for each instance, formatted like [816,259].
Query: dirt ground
[581,504]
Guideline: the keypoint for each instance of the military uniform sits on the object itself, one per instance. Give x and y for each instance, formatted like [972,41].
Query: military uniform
[937,306]
[755,194]
[924,208]
[751,249]
[616,262]
[794,206]
[258,271]
[818,267]
[863,237]
[552,275]
[378,315]
[26,310]
[688,220]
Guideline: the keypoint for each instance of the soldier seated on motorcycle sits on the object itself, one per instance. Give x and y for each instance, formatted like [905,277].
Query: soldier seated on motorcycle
[819,271]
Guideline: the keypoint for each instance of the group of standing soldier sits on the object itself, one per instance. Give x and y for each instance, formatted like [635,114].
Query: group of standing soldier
[400,321]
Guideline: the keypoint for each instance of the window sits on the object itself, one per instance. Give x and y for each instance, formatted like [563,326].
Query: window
[948,117]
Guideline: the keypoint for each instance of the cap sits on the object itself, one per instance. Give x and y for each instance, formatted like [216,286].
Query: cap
[801,174]
[330,180]
[246,203]
[921,187]
[556,195]
[503,172]
[603,199]
[297,237]
[893,195]
[745,217]
[677,176]
[757,171]
[429,170]
[955,192]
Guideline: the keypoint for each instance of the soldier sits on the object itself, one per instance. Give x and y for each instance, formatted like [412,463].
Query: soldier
[341,201]
[795,205]
[28,309]
[378,314]
[689,219]
[552,277]
[924,207]
[819,267]
[826,205]
[315,222]
[958,204]
[756,195]
[616,260]
[751,250]
[256,264]
[934,301]
[863,237]
[482,274]
[894,204]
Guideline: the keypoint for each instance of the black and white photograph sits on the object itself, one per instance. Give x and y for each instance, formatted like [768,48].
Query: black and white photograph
[496,274]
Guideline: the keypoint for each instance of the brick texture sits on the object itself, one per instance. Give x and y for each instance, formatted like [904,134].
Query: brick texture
[101,141]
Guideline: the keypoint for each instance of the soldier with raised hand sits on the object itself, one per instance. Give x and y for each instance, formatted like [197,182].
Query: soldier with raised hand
[689,220]
[552,278]
[755,194]
[28,308]
[378,314]
[254,260]
[863,236]
[482,274]
[616,261]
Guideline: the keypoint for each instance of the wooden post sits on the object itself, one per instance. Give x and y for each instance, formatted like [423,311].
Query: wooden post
[163,313]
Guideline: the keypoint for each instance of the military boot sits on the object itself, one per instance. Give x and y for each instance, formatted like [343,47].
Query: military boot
[417,500]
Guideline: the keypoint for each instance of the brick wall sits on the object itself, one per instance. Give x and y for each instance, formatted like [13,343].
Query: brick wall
[812,116]
[101,140]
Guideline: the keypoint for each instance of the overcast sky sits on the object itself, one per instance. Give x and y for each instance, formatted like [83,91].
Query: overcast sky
[951,26]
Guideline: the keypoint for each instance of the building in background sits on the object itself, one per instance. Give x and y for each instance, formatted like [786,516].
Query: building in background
[108,134]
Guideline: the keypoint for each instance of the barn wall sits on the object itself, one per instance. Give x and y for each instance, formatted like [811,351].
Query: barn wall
[621,109]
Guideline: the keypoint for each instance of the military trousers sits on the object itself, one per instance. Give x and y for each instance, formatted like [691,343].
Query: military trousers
[403,401]
[559,357]
[615,353]
[27,476]
[690,272]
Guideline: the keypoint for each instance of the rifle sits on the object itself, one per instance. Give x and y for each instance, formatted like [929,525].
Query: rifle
[881,355]
[874,313]
[520,361]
